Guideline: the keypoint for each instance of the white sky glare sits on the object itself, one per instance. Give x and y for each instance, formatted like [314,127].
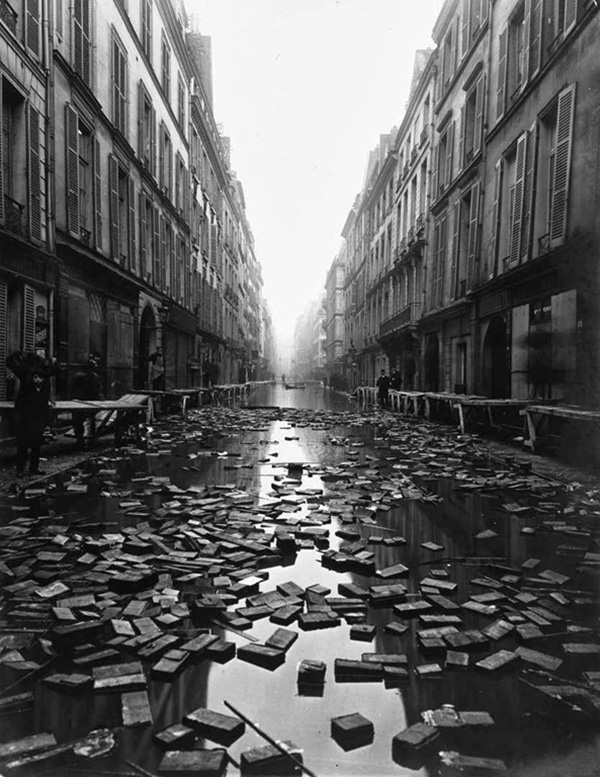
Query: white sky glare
[304,88]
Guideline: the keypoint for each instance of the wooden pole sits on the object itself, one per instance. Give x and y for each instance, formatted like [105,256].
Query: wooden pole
[270,739]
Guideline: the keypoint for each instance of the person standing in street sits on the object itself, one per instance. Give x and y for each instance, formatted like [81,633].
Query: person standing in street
[157,370]
[383,389]
[87,386]
[31,406]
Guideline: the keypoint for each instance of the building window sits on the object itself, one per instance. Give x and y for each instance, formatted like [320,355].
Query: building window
[119,85]
[516,73]
[14,159]
[147,243]
[439,261]
[449,55]
[146,27]
[84,206]
[552,198]
[443,168]
[474,15]
[472,125]
[82,42]
[122,215]
[179,183]
[165,179]
[165,68]
[147,129]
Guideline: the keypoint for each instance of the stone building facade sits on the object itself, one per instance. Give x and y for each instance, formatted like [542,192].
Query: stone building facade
[135,224]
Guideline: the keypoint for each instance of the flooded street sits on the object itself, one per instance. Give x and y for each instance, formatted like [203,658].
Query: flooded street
[416,555]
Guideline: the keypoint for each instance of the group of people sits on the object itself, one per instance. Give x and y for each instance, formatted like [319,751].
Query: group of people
[386,382]
[33,401]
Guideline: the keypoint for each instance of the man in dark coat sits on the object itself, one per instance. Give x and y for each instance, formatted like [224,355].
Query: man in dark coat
[87,385]
[31,406]
[383,389]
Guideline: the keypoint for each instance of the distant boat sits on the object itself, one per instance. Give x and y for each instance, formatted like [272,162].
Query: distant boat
[295,385]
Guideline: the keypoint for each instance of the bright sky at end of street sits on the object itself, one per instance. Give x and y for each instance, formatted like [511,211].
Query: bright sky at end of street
[304,88]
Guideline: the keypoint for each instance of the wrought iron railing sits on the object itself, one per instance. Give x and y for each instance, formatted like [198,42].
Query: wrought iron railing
[409,314]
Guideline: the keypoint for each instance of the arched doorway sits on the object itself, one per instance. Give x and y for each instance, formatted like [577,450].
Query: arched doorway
[148,329]
[495,371]
[432,364]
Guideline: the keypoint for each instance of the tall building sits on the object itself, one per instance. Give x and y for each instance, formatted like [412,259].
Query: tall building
[134,223]
[334,320]
[492,286]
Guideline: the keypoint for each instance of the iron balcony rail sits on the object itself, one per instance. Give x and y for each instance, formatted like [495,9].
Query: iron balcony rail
[409,314]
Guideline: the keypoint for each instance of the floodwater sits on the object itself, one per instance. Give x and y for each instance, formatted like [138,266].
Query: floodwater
[534,735]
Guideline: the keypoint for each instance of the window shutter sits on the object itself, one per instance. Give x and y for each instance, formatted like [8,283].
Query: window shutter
[113,183]
[35,171]
[529,194]
[434,178]
[72,141]
[455,44]
[78,48]
[153,142]
[161,159]
[493,244]
[526,42]
[515,227]
[560,194]
[479,108]
[97,195]
[502,73]
[144,260]
[570,15]
[173,267]
[519,352]
[449,151]
[140,122]
[465,26]
[132,264]
[32,26]
[455,250]
[163,252]
[3,338]
[536,22]
[473,238]
[462,139]
[1,165]
[156,248]
[170,170]
[28,318]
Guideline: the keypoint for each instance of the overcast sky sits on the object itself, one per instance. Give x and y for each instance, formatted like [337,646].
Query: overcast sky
[304,88]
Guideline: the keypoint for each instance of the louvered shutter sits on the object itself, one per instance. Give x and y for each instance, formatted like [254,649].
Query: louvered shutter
[434,176]
[562,165]
[455,264]
[517,215]
[529,194]
[495,225]
[72,151]
[145,262]
[78,53]
[28,318]
[113,183]
[35,173]
[86,40]
[473,237]
[455,44]
[1,156]
[32,26]
[3,337]
[536,24]
[161,157]
[479,110]
[132,264]
[449,154]
[153,142]
[173,267]
[462,139]
[140,123]
[97,195]
[465,27]
[570,16]
[502,73]
[156,248]
[163,252]
[526,42]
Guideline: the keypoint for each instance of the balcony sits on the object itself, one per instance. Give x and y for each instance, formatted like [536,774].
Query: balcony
[8,16]
[409,314]
[14,215]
